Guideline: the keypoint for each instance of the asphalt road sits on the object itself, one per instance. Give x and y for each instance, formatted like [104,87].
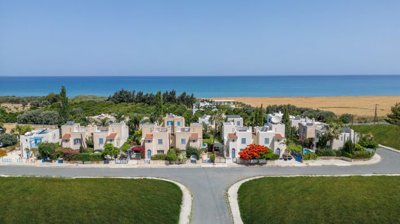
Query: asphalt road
[209,185]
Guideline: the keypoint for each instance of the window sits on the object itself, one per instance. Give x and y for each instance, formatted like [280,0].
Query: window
[178,123]
[237,123]
[160,141]
[77,141]
[169,123]
[266,141]
[243,140]
[183,141]
[160,151]
[101,141]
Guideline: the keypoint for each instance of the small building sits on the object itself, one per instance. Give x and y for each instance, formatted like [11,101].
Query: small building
[116,134]
[237,141]
[173,133]
[205,120]
[236,119]
[31,140]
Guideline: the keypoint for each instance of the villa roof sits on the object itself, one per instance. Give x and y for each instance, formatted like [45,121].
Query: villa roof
[194,136]
[66,136]
[278,136]
[232,136]
[149,137]
[111,135]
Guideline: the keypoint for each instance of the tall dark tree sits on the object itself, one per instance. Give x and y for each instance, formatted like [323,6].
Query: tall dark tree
[394,117]
[64,105]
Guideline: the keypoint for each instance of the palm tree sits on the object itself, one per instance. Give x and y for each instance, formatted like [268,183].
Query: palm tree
[334,130]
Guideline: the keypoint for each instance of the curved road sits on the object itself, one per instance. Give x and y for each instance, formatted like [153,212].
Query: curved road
[209,185]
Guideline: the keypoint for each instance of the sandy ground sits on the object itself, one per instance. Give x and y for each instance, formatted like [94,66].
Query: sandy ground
[357,105]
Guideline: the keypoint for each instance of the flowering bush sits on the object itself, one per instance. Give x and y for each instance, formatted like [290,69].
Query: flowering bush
[254,151]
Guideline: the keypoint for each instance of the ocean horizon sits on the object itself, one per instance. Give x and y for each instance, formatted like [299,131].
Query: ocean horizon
[208,86]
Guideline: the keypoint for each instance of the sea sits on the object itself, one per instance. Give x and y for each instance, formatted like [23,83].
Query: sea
[207,86]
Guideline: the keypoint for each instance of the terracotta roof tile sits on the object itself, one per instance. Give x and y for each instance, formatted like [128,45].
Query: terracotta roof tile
[149,137]
[111,135]
[278,136]
[194,136]
[232,136]
[66,136]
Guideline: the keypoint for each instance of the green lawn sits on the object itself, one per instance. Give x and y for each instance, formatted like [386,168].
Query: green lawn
[55,200]
[321,200]
[388,135]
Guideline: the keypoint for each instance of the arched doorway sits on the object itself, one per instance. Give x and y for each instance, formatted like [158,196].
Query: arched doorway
[148,154]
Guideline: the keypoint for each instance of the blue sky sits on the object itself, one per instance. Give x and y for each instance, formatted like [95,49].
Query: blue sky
[188,37]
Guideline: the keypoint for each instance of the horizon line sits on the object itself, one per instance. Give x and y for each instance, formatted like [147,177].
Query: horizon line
[283,75]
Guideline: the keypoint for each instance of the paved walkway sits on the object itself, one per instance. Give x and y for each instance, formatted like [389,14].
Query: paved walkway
[209,185]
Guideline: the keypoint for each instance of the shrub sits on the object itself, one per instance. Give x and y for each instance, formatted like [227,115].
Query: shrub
[212,157]
[8,139]
[271,156]
[67,154]
[254,151]
[292,147]
[192,151]
[346,118]
[362,155]
[171,155]
[126,146]
[81,157]
[159,157]
[47,150]
[110,150]
[326,152]
[368,141]
[310,156]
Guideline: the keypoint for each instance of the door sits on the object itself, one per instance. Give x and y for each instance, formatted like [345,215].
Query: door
[233,153]
[148,154]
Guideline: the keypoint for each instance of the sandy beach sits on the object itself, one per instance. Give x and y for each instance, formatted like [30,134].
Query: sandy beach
[357,105]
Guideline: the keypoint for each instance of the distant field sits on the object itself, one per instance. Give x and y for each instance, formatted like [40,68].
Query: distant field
[320,200]
[51,200]
[388,135]
[357,105]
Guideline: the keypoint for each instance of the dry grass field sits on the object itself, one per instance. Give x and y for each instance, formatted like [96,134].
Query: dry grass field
[357,105]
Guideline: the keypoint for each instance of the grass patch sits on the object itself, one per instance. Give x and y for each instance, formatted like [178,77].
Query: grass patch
[57,200]
[388,135]
[321,200]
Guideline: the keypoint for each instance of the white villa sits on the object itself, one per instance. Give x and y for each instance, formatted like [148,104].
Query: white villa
[311,129]
[173,133]
[32,139]
[236,137]
[75,136]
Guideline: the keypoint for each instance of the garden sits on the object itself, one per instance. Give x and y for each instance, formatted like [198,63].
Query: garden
[31,200]
[320,200]
[256,154]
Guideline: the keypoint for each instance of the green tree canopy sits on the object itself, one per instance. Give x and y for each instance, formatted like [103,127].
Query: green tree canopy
[394,116]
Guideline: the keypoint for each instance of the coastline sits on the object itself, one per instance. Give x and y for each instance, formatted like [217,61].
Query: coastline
[363,106]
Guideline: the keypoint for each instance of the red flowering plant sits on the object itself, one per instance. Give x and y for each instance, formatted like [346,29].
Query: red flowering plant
[254,151]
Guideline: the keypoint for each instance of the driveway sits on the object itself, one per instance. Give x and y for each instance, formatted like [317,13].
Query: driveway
[209,185]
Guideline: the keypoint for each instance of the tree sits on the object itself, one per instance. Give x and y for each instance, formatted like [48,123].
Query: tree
[346,118]
[333,132]
[288,126]
[22,129]
[110,150]
[47,150]
[8,139]
[394,116]
[64,106]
